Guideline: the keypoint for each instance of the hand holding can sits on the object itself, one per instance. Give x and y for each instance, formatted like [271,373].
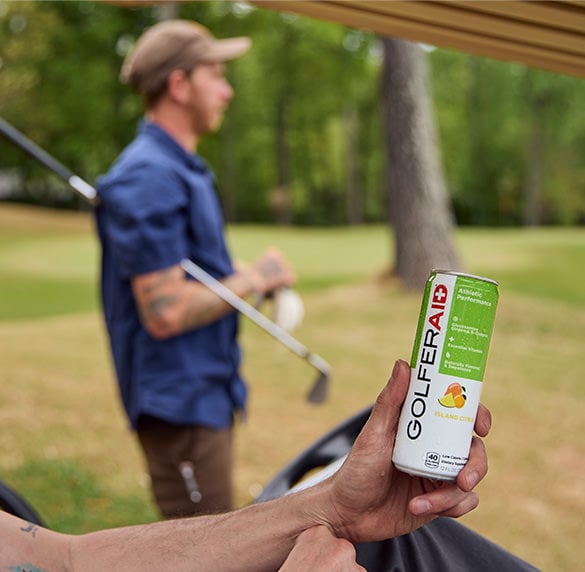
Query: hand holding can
[447,370]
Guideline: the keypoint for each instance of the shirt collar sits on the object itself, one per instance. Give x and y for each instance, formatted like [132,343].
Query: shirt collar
[192,160]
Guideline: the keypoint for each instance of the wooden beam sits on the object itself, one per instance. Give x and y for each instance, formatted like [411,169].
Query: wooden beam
[545,34]
[403,20]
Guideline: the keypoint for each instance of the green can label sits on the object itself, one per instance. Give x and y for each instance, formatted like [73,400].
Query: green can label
[469,328]
[447,370]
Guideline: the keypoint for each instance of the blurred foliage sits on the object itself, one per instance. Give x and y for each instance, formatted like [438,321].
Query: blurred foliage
[488,113]
[306,110]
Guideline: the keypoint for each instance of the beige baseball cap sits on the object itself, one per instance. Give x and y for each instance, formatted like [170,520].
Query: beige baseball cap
[171,45]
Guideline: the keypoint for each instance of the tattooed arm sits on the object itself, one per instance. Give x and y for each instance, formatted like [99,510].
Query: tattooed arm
[366,500]
[26,547]
[169,304]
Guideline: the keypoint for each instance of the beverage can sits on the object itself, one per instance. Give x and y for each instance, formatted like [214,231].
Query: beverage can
[447,371]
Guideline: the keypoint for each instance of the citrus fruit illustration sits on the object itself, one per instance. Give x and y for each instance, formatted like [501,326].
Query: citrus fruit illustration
[454,396]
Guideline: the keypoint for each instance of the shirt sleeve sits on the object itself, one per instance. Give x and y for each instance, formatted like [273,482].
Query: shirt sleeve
[145,219]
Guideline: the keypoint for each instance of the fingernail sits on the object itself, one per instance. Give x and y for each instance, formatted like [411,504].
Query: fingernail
[395,368]
[421,507]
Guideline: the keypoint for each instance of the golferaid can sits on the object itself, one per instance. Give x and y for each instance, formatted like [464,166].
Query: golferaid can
[447,370]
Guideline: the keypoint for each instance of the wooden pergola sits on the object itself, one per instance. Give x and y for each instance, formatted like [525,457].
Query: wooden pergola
[545,34]
[539,33]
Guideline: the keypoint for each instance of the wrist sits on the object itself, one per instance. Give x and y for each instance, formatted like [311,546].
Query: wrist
[317,508]
[247,282]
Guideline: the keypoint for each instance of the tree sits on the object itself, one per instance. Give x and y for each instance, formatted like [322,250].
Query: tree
[511,137]
[552,112]
[302,140]
[59,85]
[419,209]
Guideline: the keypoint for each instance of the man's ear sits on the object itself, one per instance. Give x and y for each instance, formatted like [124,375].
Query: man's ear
[178,86]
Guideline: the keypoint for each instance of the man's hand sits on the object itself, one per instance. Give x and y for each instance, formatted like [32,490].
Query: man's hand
[372,500]
[269,272]
[318,550]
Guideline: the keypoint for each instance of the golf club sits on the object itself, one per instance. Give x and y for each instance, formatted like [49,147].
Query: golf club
[20,140]
[318,392]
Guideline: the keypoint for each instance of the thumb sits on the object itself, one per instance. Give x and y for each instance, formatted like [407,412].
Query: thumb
[386,411]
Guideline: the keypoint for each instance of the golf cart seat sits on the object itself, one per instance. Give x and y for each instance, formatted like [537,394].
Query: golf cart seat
[13,503]
[327,454]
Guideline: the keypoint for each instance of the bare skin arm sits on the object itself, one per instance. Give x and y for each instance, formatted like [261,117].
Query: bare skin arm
[27,547]
[366,500]
[170,304]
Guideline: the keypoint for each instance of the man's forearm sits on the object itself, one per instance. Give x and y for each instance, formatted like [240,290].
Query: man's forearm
[26,546]
[169,304]
[366,500]
[203,306]
[255,538]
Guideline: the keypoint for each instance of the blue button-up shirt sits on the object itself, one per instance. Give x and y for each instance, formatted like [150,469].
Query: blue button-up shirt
[158,205]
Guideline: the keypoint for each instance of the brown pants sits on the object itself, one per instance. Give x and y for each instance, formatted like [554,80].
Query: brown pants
[173,453]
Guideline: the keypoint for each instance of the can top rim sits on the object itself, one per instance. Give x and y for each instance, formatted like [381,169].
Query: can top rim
[464,274]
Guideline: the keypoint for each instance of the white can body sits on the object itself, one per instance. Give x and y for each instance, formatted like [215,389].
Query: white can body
[447,369]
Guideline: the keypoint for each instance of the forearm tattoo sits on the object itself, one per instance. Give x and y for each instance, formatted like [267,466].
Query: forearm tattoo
[31,529]
[155,299]
[162,291]
[155,308]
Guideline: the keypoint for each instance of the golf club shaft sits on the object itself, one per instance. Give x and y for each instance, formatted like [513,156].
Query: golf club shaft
[89,194]
[78,185]
[253,314]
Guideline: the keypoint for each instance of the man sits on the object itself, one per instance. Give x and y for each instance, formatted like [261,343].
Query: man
[174,342]
[367,500]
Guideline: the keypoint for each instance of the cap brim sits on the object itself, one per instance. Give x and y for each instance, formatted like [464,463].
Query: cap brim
[228,49]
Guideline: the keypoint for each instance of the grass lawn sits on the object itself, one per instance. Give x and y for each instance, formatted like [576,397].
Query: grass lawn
[63,438]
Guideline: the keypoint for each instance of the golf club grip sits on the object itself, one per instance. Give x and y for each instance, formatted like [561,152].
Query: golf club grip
[22,141]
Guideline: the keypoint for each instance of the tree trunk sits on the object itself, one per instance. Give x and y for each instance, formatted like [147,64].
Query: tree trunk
[420,211]
[538,102]
[355,210]
[532,211]
[280,199]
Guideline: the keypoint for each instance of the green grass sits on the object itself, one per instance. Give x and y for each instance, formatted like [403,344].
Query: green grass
[65,446]
[51,272]
[65,488]
[546,263]
[29,297]
[321,257]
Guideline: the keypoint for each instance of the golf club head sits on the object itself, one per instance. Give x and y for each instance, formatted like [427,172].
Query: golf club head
[319,391]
